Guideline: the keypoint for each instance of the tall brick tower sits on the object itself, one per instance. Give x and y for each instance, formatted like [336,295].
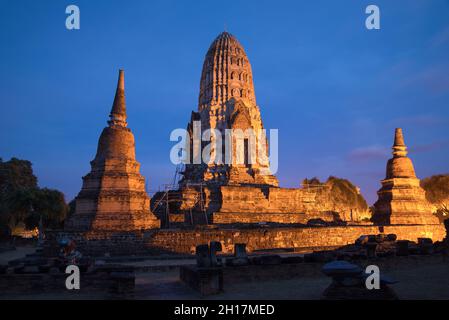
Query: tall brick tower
[113,196]
[227,101]
[401,199]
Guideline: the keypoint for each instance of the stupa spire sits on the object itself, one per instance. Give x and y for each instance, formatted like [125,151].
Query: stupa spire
[118,111]
[113,196]
[399,147]
[401,198]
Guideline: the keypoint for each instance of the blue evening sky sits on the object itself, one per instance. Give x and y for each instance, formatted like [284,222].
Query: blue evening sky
[334,89]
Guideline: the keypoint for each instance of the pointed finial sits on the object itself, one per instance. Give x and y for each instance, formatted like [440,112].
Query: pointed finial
[398,137]
[225,27]
[399,147]
[118,112]
[121,79]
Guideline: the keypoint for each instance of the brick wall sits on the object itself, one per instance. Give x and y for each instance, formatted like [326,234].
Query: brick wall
[184,241]
[98,243]
[245,217]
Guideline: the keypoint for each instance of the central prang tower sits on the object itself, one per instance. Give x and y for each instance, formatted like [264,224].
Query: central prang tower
[234,191]
[227,101]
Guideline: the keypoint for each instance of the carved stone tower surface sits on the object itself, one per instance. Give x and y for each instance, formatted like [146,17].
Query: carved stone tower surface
[401,199]
[227,101]
[113,196]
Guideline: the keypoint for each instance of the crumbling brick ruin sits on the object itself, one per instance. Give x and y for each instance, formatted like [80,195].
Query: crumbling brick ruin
[245,191]
[240,202]
[113,196]
[401,198]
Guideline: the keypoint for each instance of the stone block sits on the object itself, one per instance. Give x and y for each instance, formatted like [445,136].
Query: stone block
[371,249]
[361,240]
[267,260]
[207,281]
[402,248]
[240,250]
[203,256]
[233,262]
[292,259]
[391,237]
[425,245]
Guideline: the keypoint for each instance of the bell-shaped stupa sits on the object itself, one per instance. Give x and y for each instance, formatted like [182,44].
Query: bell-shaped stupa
[401,198]
[113,196]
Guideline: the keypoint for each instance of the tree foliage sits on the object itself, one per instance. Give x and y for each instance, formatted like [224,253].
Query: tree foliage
[437,193]
[16,174]
[23,202]
[344,193]
[340,193]
[312,181]
[437,188]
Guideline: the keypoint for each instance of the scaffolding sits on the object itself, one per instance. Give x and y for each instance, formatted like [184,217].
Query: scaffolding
[199,201]
[172,194]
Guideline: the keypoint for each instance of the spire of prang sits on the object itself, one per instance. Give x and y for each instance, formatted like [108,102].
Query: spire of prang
[118,112]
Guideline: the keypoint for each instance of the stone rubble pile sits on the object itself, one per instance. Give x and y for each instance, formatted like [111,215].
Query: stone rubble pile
[349,283]
[36,274]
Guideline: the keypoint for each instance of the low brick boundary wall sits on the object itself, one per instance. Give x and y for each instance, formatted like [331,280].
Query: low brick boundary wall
[185,241]
[98,243]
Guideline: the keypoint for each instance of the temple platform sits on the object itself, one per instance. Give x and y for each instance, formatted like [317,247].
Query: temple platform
[184,241]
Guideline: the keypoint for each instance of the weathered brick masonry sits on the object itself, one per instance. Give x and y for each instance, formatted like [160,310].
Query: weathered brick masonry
[113,195]
[246,217]
[242,204]
[112,213]
[184,241]
[155,241]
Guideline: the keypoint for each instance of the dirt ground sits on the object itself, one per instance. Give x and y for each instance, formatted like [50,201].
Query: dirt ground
[420,282]
[16,254]
[416,281]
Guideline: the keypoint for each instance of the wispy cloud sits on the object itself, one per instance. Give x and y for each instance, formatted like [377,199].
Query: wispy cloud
[420,120]
[430,146]
[377,152]
[433,78]
[369,153]
[440,38]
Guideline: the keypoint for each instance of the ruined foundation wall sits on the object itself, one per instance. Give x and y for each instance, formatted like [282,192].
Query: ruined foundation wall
[244,217]
[99,243]
[271,200]
[184,241]
[242,204]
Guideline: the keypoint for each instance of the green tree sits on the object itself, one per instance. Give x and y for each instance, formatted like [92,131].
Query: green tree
[22,201]
[51,206]
[17,183]
[16,174]
[19,205]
